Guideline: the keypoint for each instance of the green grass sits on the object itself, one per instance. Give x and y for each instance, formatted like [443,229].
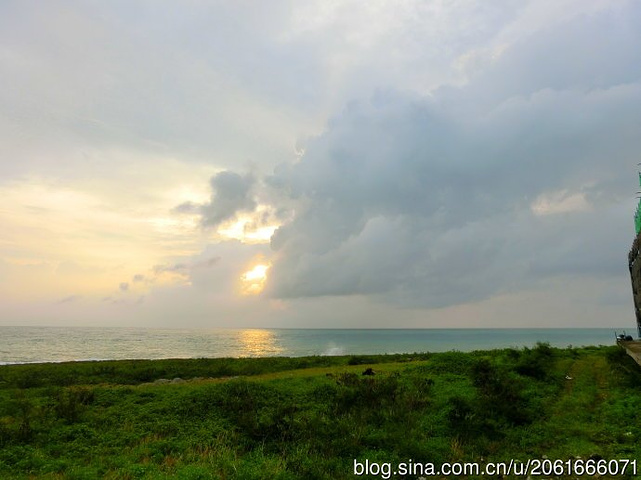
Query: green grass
[309,418]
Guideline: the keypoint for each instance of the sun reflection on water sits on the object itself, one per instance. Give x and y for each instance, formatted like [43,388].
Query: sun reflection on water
[258,343]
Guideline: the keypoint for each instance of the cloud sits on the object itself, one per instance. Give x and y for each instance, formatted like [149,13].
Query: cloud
[139,300]
[179,91]
[189,208]
[180,268]
[559,202]
[441,200]
[69,299]
[206,263]
[183,268]
[123,287]
[423,155]
[231,195]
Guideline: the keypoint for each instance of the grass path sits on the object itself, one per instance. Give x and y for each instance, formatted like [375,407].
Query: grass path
[379,369]
[576,414]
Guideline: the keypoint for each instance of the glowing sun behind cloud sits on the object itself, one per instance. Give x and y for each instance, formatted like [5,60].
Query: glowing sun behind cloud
[253,281]
[253,227]
[245,229]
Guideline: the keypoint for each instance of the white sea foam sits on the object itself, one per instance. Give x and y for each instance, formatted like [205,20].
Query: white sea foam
[333,350]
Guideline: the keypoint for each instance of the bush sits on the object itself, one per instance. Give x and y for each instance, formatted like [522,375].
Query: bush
[361,360]
[463,417]
[71,401]
[500,394]
[537,362]
[624,367]
[17,424]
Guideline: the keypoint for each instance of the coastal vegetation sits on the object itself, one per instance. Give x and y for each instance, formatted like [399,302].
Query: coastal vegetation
[311,417]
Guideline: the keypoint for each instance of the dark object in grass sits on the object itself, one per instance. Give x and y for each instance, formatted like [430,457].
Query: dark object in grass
[369,371]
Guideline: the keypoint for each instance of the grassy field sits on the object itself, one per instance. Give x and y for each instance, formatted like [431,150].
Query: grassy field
[309,418]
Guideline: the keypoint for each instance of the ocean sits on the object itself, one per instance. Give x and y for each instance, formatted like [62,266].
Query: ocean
[58,344]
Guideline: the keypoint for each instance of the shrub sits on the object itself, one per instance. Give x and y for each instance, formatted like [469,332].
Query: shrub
[537,362]
[500,394]
[361,360]
[71,401]
[463,417]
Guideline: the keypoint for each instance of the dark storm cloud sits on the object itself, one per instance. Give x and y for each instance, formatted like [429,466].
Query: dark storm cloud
[453,198]
[232,194]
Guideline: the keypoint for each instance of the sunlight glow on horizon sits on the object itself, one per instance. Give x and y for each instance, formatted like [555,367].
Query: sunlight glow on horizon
[258,343]
[68,239]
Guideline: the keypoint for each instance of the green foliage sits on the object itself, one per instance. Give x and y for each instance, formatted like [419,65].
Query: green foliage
[463,417]
[362,360]
[536,362]
[133,372]
[624,367]
[71,401]
[359,394]
[309,418]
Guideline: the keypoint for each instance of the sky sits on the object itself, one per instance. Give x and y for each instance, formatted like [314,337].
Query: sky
[329,164]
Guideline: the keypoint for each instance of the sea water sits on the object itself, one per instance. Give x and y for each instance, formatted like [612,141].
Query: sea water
[57,344]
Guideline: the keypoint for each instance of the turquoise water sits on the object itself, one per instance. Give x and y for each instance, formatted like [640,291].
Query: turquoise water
[55,344]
